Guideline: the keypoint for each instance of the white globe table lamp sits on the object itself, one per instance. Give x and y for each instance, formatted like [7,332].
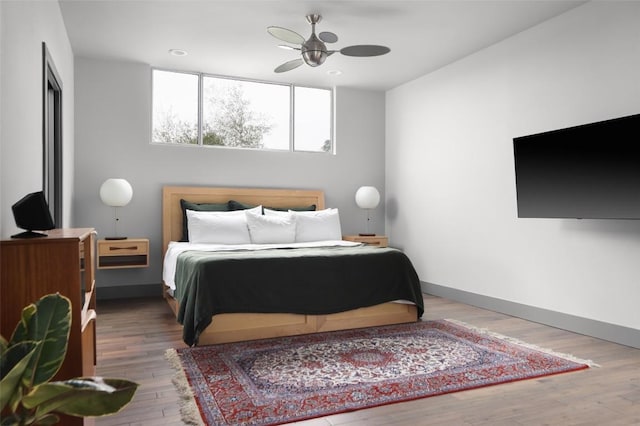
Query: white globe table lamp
[367,197]
[116,193]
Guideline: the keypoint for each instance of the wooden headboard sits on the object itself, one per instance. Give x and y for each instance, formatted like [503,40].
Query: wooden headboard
[172,212]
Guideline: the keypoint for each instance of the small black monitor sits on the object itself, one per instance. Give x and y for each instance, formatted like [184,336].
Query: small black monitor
[32,213]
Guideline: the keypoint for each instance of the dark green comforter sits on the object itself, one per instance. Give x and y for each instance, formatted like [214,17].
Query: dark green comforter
[314,281]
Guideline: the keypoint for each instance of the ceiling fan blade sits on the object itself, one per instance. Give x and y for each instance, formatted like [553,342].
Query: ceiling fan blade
[328,37]
[288,66]
[287,47]
[363,50]
[285,35]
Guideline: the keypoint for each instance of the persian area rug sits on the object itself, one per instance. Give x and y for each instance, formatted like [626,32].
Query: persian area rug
[281,380]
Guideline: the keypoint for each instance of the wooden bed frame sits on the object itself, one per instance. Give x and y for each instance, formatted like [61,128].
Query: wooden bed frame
[248,326]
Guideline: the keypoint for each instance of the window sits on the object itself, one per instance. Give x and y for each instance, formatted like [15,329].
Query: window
[199,109]
[175,107]
[245,114]
[312,124]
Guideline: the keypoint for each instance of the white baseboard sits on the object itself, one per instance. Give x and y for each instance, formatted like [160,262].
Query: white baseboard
[614,333]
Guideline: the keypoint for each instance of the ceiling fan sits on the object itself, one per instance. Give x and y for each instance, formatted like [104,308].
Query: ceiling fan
[314,51]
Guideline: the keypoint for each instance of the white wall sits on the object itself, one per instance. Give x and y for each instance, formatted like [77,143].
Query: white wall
[113,113]
[450,182]
[25,25]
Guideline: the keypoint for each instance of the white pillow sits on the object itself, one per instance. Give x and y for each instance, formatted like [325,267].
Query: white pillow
[219,227]
[271,212]
[320,225]
[273,229]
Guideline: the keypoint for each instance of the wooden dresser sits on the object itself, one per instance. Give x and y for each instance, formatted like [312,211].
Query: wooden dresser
[63,262]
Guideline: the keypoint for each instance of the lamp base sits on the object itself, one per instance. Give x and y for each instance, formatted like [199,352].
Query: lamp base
[115,238]
[29,234]
[366,235]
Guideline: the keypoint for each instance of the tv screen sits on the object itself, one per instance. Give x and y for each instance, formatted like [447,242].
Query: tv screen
[588,171]
[32,213]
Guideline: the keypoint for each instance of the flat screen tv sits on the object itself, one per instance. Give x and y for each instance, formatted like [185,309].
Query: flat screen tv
[32,213]
[590,171]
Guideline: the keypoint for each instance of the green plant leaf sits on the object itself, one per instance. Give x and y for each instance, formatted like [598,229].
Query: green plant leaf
[48,419]
[12,355]
[20,333]
[13,363]
[47,322]
[33,356]
[91,396]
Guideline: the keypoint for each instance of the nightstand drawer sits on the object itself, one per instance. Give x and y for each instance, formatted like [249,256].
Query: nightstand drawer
[129,253]
[122,247]
[372,240]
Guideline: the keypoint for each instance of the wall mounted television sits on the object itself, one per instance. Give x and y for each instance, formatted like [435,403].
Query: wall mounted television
[590,171]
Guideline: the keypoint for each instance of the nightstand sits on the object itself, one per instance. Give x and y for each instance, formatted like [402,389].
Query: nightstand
[129,253]
[372,240]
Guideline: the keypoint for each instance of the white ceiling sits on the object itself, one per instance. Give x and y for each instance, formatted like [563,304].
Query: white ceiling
[230,37]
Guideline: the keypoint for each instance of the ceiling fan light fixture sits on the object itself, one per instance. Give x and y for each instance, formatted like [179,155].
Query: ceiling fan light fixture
[314,51]
[314,58]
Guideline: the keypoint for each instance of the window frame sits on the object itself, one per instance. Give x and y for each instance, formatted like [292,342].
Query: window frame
[52,136]
[291,144]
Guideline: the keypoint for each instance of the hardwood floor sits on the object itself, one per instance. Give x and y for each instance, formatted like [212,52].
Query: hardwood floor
[133,335]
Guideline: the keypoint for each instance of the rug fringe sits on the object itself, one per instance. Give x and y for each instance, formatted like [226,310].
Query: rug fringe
[516,341]
[188,408]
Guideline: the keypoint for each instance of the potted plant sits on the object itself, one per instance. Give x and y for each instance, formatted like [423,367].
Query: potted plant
[31,358]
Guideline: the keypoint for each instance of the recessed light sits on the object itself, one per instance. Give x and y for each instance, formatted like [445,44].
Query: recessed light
[178,52]
[334,72]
